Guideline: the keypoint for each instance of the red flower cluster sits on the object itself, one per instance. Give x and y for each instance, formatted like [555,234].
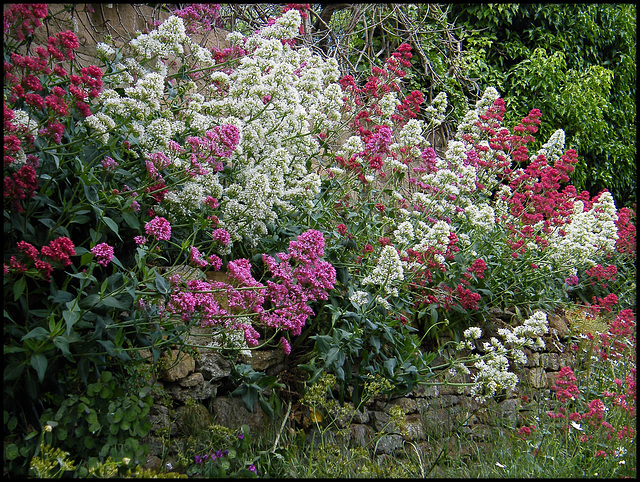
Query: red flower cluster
[21,185]
[23,19]
[626,242]
[598,274]
[59,249]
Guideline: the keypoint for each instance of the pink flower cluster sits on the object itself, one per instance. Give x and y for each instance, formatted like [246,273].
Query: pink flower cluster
[159,227]
[222,236]
[22,184]
[199,14]
[626,242]
[103,253]
[300,277]
[565,387]
[307,280]
[219,142]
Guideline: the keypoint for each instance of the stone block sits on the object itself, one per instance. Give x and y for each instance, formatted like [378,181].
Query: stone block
[381,421]
[231,412]
[533,359]
[180,365]
[201,391]
[261,360]
[550,361]
[426,391]
[537,377]
[213,365]
[558,326]
[413,428]
[388,444]
[191,380]
[358,435]
[409,405]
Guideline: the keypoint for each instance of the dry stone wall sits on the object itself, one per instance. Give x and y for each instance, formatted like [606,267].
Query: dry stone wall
[430,412]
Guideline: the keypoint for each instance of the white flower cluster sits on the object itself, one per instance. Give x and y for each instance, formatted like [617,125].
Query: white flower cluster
[591,233]
[101,123]
[411,136]
[480,216]
[553,148]
[526,335]
[359,298]
[435,112]
[387,272]
[493,367]
[275,96]
[436,236]
[492,372]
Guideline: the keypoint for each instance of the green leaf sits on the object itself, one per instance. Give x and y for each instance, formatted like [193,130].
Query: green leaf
[131,219]
[39,333]
[63,344]
[390,365]
[112,225]
[91,192]
[11,452]
[118,416]
[18,288]
[39,363]
[162,285]
[70,318]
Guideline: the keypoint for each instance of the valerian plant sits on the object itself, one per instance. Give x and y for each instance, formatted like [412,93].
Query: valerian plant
[337,232]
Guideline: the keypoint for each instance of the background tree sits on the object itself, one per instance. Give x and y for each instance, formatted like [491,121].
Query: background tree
[576,63]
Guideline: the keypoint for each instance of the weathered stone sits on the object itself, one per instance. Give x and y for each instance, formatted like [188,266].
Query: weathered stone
[213,365]
[159,417]
[381,421]
[388,444]
[537,377]
[426,391]
[447,401]
[262,359]
[153,463]
[204,390]
[276,370]
[558,326]
[193,418]
[408,405]
[567,360]
[358,435]
[231,412]
[413,428]
[550,361]
[533,359]
[191,380]
[509,410]
[180,365]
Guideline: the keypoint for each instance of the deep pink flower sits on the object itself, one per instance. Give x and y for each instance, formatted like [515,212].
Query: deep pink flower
[103,253]
[286,347]
[196,259]
[222,236]
[159,227]
[60,249]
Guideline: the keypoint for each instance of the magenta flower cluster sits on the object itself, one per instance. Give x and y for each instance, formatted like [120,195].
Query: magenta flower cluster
[103,253]
[159,227]
[300,278]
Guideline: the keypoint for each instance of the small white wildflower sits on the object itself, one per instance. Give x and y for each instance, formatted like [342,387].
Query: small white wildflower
[473,332]
[359,297]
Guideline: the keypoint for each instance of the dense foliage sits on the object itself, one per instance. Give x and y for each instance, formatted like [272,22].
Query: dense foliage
[574,62]
[332,228]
